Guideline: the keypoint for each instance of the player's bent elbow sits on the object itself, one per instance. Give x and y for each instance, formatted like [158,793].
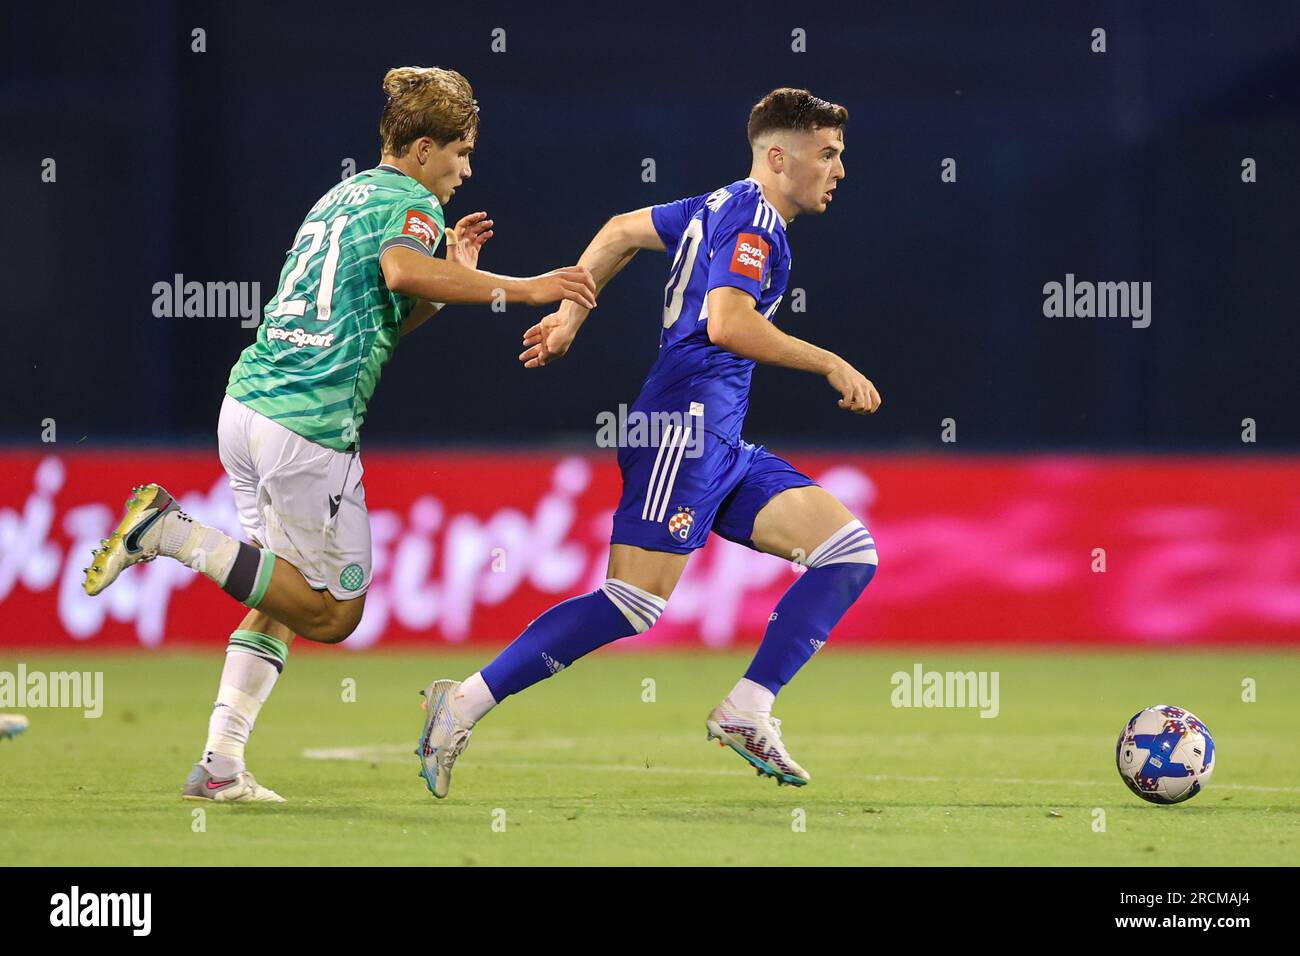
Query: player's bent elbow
[719,329]
[631,231]
[396,276]
[617,232]
[729,312]
[393,277]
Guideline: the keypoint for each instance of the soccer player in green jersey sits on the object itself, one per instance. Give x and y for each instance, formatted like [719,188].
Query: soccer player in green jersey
[360,274]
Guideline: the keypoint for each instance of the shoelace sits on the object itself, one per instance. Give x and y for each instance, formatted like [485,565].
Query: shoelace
[456,749]
[776,727]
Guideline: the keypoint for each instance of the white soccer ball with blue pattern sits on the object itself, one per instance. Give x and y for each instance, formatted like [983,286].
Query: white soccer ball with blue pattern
[1165,754]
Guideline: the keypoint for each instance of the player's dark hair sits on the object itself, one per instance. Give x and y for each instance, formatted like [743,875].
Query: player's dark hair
[426,101]
[788,108]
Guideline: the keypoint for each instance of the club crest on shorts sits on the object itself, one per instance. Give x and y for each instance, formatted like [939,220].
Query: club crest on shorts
[351,577]
[679,524]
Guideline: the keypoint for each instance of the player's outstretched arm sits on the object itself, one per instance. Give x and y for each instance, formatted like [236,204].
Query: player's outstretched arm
[613,247]
[437,280]
[735,325]
[464,243]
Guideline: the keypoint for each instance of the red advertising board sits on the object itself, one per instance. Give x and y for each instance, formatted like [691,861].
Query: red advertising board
[470,546]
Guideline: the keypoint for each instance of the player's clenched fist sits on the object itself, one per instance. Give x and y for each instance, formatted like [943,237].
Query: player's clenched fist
[857,394]
[573,283]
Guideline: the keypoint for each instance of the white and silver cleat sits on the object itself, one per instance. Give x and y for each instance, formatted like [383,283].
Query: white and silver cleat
[201,785]
[443,739]
[756,737]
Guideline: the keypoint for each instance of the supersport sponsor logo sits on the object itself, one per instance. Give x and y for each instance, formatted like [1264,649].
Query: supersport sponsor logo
[750,254]
[422,227]
[298,338]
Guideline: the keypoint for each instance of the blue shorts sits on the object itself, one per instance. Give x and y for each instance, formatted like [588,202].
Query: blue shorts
[674,495]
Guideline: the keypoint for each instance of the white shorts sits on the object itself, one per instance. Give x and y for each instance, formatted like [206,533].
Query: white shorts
[302,501]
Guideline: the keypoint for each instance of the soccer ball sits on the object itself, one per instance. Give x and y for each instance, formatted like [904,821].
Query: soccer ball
[1165,754]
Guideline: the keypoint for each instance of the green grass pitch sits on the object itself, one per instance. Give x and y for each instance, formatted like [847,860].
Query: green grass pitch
[583,770]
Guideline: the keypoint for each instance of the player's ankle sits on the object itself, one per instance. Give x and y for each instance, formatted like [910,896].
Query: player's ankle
[222,766]
[203,548]
[472,700]
[177,533]
[752,697]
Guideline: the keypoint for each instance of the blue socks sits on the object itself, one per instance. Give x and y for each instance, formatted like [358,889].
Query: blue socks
[838,572]
[568,631]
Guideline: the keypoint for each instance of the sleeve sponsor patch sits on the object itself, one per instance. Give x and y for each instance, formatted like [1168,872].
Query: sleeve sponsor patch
[422,226]
[750,255]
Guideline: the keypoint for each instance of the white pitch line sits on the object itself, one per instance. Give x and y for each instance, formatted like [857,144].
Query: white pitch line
[885,778]
[597,767]
[401,753]
[393,753]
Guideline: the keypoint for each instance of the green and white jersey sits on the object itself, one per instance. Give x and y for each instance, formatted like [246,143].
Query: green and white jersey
[333,324]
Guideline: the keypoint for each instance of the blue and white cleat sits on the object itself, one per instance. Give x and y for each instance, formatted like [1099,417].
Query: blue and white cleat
[11,725]
[135,540]
[201,785]
[756,737]
[444,738]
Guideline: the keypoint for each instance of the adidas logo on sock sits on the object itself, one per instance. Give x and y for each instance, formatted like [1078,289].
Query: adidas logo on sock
[552,664]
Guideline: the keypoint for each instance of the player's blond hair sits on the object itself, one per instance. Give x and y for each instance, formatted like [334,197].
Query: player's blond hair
[426,101]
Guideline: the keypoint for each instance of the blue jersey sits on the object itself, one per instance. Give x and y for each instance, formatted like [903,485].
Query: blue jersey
[730,237]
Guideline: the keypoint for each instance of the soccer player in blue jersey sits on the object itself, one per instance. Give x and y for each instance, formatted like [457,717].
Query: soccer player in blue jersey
[730,261]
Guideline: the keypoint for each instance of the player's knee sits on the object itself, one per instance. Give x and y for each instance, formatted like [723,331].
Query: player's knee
[322,631]
[334,621]
[639,606]
[851,547]
[332,633]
